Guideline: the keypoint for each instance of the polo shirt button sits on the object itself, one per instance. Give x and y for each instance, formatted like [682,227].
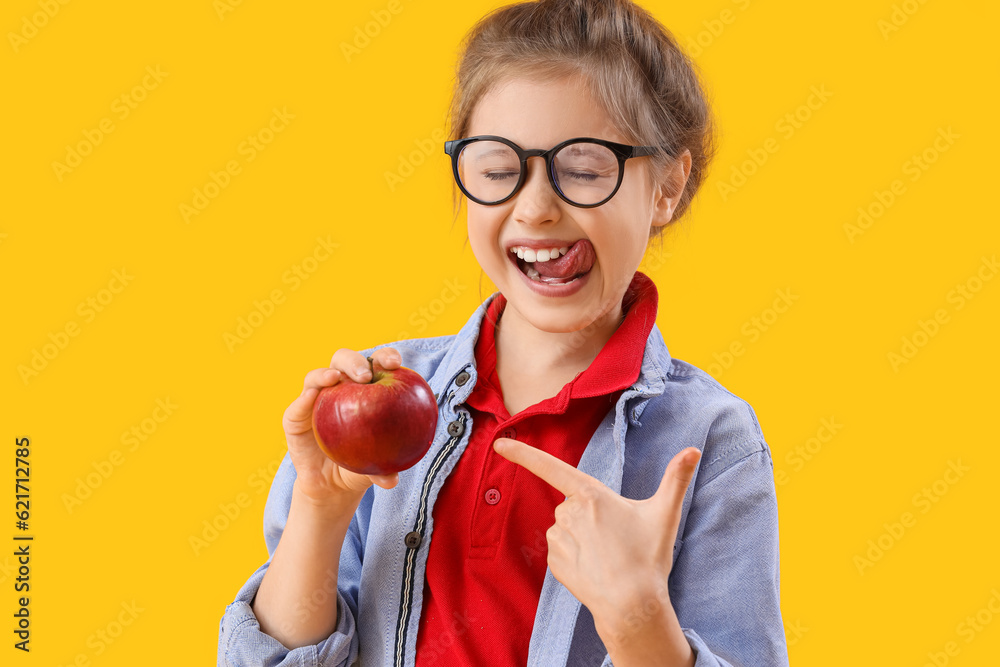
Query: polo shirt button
[412,540]
[510,432]
[462,378]
[456,428]
[493,496]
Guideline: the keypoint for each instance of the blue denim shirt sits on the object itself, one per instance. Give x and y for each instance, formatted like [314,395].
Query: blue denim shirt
[724,581]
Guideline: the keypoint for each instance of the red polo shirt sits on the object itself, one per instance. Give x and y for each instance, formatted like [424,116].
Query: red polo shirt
[487,556]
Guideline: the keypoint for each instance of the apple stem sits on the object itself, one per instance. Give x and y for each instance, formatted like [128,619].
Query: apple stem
[371,363]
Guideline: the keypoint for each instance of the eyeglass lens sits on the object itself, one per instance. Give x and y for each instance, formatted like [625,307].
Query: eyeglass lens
[585,173]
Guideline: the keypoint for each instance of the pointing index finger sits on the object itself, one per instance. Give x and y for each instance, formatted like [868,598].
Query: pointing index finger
[561,475]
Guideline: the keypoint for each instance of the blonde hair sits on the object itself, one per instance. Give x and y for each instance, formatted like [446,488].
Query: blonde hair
[631,62]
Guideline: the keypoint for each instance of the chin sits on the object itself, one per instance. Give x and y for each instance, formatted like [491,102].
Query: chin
[551,320]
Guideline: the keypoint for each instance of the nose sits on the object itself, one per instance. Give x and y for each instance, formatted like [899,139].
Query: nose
[536,202]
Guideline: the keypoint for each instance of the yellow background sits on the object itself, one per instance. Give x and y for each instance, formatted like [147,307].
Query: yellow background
[398,251]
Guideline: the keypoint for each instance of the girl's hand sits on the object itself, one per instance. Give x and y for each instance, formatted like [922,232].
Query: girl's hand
[319,479]
[613,554]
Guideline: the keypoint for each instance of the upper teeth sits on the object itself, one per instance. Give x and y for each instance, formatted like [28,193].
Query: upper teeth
[530,255]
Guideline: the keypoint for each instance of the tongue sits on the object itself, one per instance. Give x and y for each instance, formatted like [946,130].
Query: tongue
[579,259]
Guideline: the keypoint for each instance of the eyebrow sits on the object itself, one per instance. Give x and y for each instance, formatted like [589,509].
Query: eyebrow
[582,149]
[492,152]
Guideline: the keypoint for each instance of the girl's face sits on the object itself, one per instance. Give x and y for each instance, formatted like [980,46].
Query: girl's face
[536,114]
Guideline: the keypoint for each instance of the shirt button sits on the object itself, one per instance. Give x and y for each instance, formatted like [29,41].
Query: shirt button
[493,496]
[510,432]
[412,540]
[462,378]
[456,428]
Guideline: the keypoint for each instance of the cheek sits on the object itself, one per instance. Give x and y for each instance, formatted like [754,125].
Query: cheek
[482,233]
[632,225]
[620,241]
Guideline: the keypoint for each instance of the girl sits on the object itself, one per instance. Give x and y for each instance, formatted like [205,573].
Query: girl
[587,499]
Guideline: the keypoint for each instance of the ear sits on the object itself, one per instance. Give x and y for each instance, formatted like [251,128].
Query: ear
[673,181]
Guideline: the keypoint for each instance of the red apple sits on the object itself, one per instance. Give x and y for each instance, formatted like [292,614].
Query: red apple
[376,428]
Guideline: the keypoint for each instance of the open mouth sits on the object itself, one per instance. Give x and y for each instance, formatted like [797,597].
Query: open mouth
[577,261]
[528,269]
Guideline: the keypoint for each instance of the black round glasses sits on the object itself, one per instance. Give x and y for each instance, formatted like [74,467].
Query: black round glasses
[584,171]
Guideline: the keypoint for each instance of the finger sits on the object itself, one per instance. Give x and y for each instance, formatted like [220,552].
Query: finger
[563,549]
[560,540]
[387,358]
[561,475]
[321,377]
[675,482]
[299,412]
[567,513]
[678,475]
[353,364]
[385,481]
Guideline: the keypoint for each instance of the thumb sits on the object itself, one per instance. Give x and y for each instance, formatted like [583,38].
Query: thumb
[676,479]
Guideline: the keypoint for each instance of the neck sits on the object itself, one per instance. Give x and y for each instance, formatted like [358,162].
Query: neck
[534,352]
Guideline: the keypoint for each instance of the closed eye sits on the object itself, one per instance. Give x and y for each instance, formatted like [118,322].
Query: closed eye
[500,175]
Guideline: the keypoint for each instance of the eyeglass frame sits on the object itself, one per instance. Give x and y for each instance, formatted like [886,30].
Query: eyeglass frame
[622,151]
